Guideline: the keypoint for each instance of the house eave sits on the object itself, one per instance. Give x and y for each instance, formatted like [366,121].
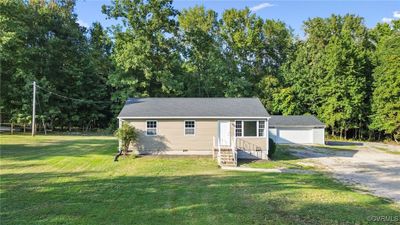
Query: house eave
[194,117]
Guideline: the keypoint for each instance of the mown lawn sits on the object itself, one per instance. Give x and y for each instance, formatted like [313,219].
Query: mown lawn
[73,180]
[281,159]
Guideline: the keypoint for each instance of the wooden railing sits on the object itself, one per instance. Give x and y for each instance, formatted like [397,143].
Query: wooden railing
[249,148]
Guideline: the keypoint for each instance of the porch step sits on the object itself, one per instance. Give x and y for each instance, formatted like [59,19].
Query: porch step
[227,158]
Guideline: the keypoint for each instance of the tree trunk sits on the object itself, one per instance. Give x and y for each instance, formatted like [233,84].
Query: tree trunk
[12,128]
[24,127]
[118,155]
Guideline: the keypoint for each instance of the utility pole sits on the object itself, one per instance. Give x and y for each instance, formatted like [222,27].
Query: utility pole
[34,108]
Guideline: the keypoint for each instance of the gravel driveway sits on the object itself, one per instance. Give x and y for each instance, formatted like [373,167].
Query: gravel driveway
[367,165]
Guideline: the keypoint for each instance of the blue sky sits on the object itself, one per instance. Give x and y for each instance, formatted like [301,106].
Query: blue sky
[291,12]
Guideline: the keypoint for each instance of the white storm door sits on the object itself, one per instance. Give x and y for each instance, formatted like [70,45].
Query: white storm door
[225,133]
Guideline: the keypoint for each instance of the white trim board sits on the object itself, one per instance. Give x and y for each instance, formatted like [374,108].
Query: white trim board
[192,117]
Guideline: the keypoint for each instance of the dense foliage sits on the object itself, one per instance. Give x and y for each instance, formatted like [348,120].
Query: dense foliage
[341,71]
[271,148]
[42,41]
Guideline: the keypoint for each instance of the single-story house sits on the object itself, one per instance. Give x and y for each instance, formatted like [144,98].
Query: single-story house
[228,128]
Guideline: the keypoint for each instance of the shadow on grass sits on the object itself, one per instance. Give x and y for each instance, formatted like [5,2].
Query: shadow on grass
[238,198]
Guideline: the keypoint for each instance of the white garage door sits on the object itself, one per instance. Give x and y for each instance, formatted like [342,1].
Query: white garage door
[294,135]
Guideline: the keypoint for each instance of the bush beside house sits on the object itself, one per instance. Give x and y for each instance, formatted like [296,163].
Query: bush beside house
[272,148]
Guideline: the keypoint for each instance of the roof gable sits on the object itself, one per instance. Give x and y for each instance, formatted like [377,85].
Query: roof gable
[193,108]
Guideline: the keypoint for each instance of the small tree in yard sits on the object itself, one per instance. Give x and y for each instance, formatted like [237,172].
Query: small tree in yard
[127,135]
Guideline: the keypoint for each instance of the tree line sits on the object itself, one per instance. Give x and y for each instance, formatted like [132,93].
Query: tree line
[345,73]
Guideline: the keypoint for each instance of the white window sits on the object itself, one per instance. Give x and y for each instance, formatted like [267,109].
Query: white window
[151,128]
[190,126]
[261,128]
[250,128]
[238,130]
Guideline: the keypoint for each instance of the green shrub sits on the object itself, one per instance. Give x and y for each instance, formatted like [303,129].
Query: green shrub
[272,148]
[126,134]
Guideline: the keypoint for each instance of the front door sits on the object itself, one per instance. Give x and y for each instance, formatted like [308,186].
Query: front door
[225,133]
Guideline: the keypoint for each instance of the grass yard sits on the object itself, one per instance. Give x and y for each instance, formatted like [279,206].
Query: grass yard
[281,159]
[73,180]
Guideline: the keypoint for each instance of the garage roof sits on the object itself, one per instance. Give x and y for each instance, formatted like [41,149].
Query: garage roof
[193,108]
[295,121]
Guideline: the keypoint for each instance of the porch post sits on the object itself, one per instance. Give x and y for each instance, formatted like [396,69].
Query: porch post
[267,137]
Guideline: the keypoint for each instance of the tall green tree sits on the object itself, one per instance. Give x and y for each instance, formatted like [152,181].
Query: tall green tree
[206,70]
[96,112]
[43,42]
[330,72]
[256,50]
[145,50]
[241,32]
[386,94]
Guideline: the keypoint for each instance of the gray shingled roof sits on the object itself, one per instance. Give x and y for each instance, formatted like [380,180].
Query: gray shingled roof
[295,121]
[193,107]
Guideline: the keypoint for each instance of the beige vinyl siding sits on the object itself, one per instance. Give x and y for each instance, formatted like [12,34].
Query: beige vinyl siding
[171,137]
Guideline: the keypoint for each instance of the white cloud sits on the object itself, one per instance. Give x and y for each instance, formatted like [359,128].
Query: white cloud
[387,20]
[83,23]
[396,14]
[261,6]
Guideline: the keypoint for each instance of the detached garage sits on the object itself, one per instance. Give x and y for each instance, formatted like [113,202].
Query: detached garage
[296,130]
